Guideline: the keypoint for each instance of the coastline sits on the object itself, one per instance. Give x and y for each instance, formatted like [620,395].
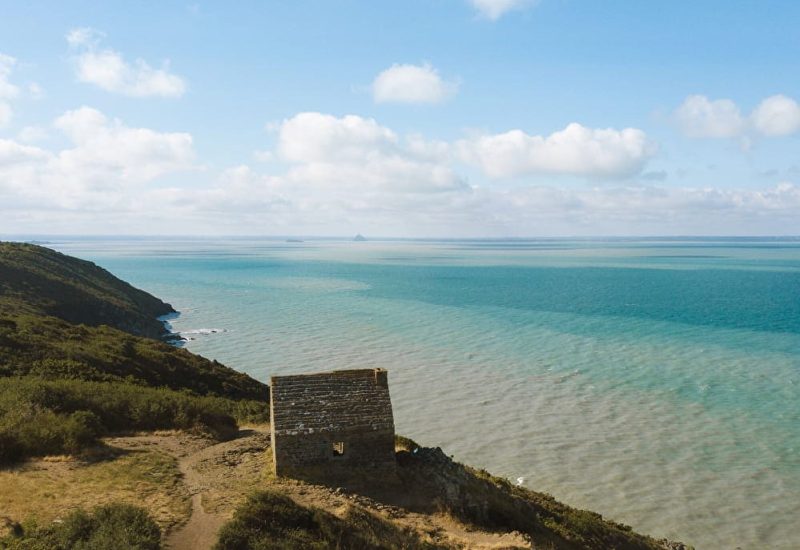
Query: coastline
[176,339]
[169,335]
[588,407]
[181,391]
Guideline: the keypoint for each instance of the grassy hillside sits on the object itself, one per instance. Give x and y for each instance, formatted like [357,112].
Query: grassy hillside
[50,347]
[38,280]
[80,358]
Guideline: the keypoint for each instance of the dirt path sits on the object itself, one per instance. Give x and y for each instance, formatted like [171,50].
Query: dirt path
[192,485]
[218,477]
[200,532]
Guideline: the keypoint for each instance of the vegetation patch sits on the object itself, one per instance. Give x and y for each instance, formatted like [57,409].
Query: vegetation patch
[50,347]
[39,280]
[109,527]
[44,492]
[65,384]
[45,417]
[269,520]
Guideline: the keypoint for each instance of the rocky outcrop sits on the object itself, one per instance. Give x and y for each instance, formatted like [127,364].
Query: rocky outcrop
[476,497]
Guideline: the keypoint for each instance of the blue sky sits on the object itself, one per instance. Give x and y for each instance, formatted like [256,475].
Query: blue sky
[414,118]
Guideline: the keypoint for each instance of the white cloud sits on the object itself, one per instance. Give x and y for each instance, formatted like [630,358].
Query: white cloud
[263,156]
[106,162]
[8,91]
[5,114]
[35,90]
[334,171]
[245,201]
[318,137]
[342,175]
[31,134]
[777,115]
[130,154]
[356,152]
[85,36]
[411,84]
[575,150]
[239,197]
[700,117]
[494,9]
[110,71]
[14,154]
[662,210]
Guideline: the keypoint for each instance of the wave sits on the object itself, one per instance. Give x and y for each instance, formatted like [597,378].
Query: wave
[203,331]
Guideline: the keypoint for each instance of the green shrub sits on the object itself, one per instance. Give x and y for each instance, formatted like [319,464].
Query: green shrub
[41,417]
[109,527]
[31,431]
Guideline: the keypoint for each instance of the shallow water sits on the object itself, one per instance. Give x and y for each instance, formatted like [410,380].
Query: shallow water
[654,381]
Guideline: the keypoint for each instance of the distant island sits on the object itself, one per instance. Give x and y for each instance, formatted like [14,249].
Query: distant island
[110,437]
[360,238]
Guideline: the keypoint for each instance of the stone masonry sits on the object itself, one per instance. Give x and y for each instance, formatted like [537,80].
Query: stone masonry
[331,421]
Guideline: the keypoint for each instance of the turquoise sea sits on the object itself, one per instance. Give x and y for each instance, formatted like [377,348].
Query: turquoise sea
[655,381]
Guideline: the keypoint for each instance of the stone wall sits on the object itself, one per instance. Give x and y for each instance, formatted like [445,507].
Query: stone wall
[313,414]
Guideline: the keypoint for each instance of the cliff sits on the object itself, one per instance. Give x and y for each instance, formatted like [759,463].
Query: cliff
[65,318]
[84,375]
[35,279]
[81,358]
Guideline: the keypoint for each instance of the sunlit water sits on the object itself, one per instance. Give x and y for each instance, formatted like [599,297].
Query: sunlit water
[656,382]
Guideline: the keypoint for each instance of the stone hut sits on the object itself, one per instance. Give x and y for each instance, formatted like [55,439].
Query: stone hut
[331,422]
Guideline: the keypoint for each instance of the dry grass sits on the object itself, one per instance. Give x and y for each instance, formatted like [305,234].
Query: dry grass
[229,471]
[58,458]
[49,490]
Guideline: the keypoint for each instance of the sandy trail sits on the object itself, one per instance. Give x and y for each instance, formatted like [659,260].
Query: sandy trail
[200,532]
[218,477]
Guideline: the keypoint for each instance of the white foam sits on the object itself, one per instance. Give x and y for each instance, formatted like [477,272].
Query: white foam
[203,331]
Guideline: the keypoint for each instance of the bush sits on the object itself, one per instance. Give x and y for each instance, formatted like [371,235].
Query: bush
[31,431]
[269,520]
[41,417]
[109,527]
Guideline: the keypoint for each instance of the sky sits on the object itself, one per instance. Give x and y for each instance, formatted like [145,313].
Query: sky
[420,118]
